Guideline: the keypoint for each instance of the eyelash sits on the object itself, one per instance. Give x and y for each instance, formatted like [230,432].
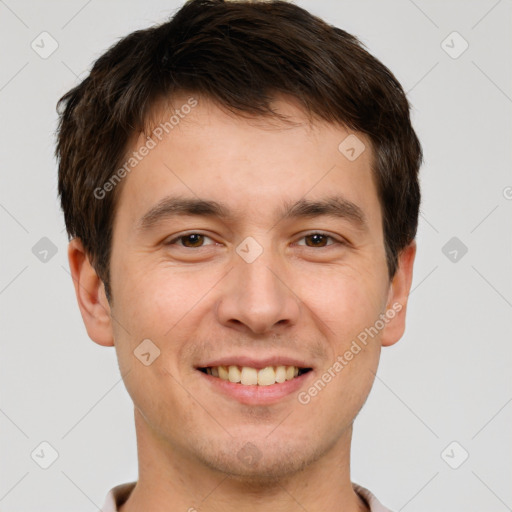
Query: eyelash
[335,240]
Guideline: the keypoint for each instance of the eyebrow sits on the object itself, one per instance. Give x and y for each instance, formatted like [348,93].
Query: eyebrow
[332,206]
[172,206]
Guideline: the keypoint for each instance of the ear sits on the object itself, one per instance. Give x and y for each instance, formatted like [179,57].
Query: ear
[398,295]
[90,294]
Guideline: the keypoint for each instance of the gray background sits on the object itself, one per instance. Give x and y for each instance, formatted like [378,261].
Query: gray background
[447,380]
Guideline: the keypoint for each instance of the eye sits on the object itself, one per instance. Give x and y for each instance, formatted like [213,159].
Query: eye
[190,240]
[318,240]
[197,240]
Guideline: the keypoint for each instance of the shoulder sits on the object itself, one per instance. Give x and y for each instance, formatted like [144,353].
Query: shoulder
[373,503]
[117,496]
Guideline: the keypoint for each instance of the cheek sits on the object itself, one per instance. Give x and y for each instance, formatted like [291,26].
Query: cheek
[346,300]
[168,306]
[154,298]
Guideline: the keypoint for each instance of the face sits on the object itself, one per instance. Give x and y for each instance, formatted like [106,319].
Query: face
[244,249]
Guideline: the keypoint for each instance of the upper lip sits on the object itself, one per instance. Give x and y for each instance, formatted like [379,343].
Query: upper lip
[257,363]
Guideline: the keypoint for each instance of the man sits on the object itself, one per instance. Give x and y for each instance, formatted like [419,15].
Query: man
[240,188]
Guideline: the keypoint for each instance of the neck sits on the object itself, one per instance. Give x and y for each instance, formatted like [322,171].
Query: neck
[169,480]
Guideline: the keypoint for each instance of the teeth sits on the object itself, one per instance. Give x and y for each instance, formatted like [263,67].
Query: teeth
[248,376]
[280,374]
[266,376]
[234,374]
[223,373]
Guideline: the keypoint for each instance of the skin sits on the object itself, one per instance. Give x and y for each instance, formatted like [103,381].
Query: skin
[200,302]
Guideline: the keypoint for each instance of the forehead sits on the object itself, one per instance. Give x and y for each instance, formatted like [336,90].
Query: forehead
[252,164]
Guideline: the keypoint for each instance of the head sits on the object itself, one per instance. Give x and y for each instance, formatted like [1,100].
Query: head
[194,162]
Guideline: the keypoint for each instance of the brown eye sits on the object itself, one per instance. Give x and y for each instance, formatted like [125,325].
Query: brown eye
[190,241]
[317,240]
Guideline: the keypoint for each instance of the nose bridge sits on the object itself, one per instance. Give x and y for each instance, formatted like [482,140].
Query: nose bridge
[255,295]
[258,279]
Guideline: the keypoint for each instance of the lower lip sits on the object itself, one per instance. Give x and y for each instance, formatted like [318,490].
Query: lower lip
[257,395]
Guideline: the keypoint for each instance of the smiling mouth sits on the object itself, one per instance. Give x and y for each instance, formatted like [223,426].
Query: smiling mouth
[248,376]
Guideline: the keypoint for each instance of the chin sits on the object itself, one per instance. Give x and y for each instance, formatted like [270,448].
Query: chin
[259,463]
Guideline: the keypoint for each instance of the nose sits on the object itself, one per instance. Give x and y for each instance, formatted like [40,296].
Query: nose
[256,297]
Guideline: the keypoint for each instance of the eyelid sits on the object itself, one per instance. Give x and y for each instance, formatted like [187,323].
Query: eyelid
[335,240]
[340,240]
[183,235]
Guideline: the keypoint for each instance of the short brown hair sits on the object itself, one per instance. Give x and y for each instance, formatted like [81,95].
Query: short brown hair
[240,55]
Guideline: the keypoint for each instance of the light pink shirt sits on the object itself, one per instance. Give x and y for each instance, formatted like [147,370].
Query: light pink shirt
[119,494]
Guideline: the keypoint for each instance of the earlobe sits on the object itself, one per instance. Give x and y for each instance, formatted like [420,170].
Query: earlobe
[398,296]
[90,294]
